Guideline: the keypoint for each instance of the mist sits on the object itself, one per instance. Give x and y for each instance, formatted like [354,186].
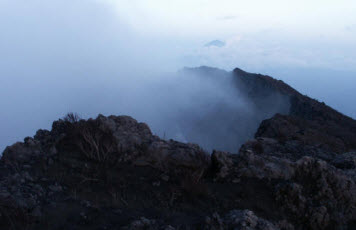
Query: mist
[88,57]
[198,105]
[57,57]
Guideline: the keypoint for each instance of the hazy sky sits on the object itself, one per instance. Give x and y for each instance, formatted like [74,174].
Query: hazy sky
[293,33]
[187,18]
[318,33]
[61,55]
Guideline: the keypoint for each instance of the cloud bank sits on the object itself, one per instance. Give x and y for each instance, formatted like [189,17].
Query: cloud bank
[108,57]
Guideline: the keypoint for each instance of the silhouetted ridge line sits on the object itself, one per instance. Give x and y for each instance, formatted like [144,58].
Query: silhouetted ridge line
[111,172]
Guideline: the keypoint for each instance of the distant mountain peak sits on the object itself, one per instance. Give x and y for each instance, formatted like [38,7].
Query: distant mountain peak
[216,43]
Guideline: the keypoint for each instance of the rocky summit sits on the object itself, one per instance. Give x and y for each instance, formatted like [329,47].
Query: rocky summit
[298,172]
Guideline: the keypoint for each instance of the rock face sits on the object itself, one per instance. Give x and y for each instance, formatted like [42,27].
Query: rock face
[112,173]
[108,163]
[219,114]
[308,121]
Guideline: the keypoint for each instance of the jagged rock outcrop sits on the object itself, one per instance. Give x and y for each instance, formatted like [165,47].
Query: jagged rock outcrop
[112,173]
[91,161]
[311,123]
[312,193]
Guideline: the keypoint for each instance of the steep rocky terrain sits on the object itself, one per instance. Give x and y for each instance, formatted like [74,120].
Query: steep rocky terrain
[219,96]
[299,172]
[315,126]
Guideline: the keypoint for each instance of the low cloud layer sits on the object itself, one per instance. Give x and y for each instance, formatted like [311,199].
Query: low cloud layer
[201,106]
[89,57]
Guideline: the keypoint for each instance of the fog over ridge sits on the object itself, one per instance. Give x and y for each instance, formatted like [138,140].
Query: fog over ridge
[200,105]
[85,57]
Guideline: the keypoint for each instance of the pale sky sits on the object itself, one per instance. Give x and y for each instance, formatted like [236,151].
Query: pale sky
[317,33]
[301,18]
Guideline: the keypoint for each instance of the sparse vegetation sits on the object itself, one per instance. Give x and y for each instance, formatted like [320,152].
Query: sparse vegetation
[192,179]
[95,142]
[72,118]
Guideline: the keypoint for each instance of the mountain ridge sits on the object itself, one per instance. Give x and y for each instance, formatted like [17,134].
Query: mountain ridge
[298,172]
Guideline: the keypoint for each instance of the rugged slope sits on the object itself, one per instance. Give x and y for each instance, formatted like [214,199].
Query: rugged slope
[113,173]
[224,115]
[311,123]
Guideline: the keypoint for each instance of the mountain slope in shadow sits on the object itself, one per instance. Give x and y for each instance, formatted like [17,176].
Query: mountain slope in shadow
[298,172]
